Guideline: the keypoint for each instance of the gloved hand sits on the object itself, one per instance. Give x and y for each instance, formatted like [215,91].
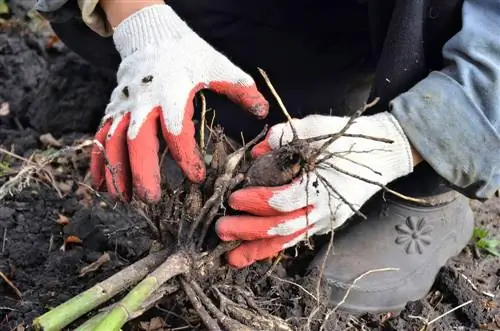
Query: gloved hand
[164,63]
[280,217]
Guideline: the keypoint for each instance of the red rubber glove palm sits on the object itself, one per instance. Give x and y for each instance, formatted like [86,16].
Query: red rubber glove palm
[164,63]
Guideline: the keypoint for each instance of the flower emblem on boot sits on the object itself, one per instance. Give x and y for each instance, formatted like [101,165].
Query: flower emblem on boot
[414,235]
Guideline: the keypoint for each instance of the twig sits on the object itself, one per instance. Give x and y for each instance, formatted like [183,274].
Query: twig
[16,290]
[450,311]
[346,127]
[149,222]
[475,287]
[25,174]
[385,188]
[354,284]
[14,155]
[217,252]
[356,163]
[295,284]
[270,270]
[328,185]
[104,258]
[209,322]
[280,102]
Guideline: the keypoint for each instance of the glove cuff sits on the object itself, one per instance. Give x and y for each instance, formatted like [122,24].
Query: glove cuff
[152,25]
[398,162]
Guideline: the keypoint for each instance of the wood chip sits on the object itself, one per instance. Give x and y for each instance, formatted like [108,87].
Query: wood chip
[155,324]
[103,259]
[62,220]
[16,290]
[4,109]
[48,140]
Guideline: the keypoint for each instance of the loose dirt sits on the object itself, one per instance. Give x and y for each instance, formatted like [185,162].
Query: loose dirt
[47,89]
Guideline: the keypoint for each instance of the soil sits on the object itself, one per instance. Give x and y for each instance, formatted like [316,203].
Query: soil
[47,90]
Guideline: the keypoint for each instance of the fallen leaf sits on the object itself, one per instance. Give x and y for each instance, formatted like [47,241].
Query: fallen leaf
[4,109]
[20,327]
[65,186]
[155,324]
[84,195]
[48,140]
[62,220]
[73,240]
[104,258]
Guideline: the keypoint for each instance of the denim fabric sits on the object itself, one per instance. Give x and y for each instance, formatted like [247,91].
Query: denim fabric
[49,5]
[57,10]
[452,117]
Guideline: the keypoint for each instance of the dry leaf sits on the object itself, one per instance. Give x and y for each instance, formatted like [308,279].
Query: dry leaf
[49,140]
[4,109]
[155,324]
[104,258]
[65,186]
[73,240]
[62,220]
[84,195]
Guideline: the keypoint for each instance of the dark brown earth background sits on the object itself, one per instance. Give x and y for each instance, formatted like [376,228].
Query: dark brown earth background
[51,99]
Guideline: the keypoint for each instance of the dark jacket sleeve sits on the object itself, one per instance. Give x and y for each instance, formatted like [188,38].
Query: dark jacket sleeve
[452,117]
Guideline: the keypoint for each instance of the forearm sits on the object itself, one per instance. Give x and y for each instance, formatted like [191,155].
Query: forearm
[452,116]
[117,11]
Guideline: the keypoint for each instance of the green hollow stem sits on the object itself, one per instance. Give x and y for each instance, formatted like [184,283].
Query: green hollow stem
[67,312]
[91,324]
[176,264]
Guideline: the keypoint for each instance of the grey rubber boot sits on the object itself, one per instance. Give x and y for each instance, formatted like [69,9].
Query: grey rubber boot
[415,239]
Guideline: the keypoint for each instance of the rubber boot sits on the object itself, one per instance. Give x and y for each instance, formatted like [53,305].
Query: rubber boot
[415,239]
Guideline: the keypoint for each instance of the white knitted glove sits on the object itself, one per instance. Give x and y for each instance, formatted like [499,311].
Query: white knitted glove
[279,217]
[164,63]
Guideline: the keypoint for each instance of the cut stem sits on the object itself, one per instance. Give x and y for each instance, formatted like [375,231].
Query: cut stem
[176,264]
[69,311]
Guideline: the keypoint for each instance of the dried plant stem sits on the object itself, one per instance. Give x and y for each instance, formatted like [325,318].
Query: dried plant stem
[12,286]
[280,102]
[227,322]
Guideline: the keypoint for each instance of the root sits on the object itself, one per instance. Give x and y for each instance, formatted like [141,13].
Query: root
[209,322]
